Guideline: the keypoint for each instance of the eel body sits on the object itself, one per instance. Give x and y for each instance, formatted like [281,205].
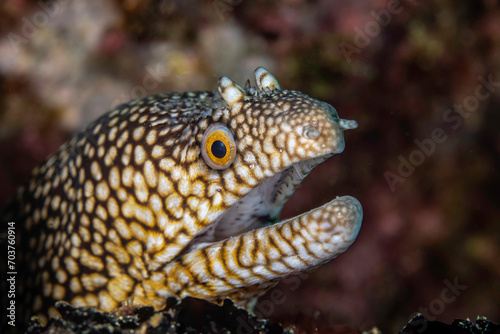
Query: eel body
[179,194]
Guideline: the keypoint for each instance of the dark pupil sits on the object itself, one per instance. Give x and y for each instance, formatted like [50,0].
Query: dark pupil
[218,149]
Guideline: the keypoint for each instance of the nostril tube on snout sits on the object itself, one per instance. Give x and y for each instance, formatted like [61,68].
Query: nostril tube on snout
[347,124]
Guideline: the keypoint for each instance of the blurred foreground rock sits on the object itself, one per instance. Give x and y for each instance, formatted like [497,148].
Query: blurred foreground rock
[187,316]
[422,326]
[193,315]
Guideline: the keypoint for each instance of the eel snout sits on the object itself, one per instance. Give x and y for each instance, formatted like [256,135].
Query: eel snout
[238,266]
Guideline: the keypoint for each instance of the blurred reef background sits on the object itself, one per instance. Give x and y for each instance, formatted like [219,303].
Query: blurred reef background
[422,79]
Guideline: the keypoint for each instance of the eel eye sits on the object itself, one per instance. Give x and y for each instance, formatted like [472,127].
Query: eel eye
[218,147]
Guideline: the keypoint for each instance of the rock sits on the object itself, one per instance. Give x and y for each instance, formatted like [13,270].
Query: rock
[419,325]
[190,315]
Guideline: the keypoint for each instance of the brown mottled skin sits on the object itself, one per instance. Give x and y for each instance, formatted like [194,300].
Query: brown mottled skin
[143,204]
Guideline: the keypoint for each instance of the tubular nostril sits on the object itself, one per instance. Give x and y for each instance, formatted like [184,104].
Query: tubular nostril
[310,132]
[346,124]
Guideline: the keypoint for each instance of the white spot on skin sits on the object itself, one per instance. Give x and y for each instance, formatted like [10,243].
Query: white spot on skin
[258,172]
[55,263]
[64,173]
[127,176]
[101,139]
[89,204]
[110,156]
[217,268]
[138,133]
[164,185]
[113,208]
[275,161]
[176,173]
[138,231]
[279,267]
[173,204]
[99,226]
[84,220]
[47,289]
[155,242]
[150,173]
[105,301]
[170,230]
[112,134]
[203,208]
[139,154]
[162,222]
[122,140]
[134,117]
[100,151]
[75,240]
[300,151]
[157,151]
[291,143]
[198,189]
[217,200]
[151,137]
[102,191]
[75,287]
[285,159]
[97,128]
[264,162]
[57,179]
[55,202]
[249,158]
[269,146]
[121,194]
[230,181]
[70,265]
[184,187]
[280,140]
[101,213]
[155,203]
[126,159]
[141,190]
[166,164]
[193,202]
[123,229]
[134,248]
[114,178]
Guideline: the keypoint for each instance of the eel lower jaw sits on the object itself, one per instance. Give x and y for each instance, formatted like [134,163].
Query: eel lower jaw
[242,268]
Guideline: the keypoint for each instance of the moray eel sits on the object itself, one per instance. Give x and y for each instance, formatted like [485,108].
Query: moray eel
[179,194]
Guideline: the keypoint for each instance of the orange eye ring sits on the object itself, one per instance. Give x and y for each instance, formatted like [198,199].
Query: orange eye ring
[218,147]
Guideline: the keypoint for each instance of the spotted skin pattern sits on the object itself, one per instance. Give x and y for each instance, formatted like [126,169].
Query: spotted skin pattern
[128,209]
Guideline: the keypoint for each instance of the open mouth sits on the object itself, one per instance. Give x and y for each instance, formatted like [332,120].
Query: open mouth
[248,250]
[262,206]
[259,208]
